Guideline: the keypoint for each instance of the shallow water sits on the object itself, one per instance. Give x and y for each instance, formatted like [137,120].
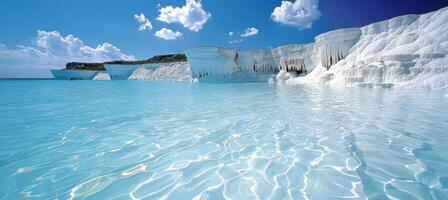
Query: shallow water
[146,140]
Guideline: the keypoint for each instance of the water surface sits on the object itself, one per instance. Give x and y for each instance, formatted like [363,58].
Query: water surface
[146,140]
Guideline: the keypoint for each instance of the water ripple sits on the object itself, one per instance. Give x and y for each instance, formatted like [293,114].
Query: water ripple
[140,140]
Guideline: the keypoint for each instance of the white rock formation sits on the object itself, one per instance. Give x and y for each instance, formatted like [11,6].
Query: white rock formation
[297,58]
[120,72]
[64,74]
[102,76]
[212,62]
[408,51]
[256,61]
[216,64]
[335,45]
[177,71]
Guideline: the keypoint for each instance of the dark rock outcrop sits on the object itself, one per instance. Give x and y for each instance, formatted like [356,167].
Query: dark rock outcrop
[100,66]
[85,66]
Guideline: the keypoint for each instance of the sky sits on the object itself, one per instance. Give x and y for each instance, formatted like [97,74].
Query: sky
[37,36]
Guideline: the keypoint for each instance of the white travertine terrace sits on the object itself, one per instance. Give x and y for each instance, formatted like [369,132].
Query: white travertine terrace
[212,61]
[64,74]
[260,61]
[120,72]
[409,51]
[335,45]
[301,58]
[298,59]
[175,71]
[406,51]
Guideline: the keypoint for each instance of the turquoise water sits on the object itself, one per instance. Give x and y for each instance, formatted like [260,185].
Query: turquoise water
[146,140]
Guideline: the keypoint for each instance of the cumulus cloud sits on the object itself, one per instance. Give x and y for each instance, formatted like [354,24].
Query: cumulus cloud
[300,13]
[252,31]
[168,34]
[73,48]
[231,33]
[50,49]
[144,23]
[191,15]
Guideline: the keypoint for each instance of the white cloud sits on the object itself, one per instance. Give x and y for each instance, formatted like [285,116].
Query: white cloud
[191,15]
[235,41]
[54,43]
[144,22]
[300,14]
[168,34]
[50,49]
[249,32]
[252,31]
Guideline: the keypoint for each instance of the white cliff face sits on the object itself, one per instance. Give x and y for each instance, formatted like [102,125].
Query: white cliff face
[335,45]
[408,51]
[177,71]
[257,61]
[64,74]
[296,59]
[120,72]
[212,61]
[215,64]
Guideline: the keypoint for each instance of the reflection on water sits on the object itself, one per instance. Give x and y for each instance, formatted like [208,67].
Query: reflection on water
[143,140]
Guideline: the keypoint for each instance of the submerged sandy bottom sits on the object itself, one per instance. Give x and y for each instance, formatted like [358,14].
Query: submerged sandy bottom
[145,140]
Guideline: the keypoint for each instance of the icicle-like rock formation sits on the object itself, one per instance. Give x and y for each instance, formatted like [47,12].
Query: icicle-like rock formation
[296,59]
[216,64]
[257,61]
[212,61]
[408,51]
[335,45]
[177,71]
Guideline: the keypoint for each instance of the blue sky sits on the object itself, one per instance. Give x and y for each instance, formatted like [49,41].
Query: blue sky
[26,53]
